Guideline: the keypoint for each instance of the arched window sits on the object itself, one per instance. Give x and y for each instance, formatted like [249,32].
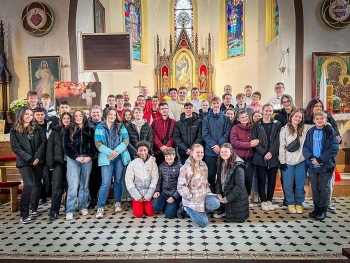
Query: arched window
[133,25]
[272,20]
[183,15]
[235,28]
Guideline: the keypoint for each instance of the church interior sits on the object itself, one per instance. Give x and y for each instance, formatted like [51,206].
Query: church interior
[218,43]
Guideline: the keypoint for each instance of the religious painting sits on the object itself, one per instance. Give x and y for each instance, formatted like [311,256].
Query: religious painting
[184,70]
[235,28]
[183,17]
[277,18]
[99,17]
[336,13]
[80,95]
[132,14]
[165,80]
[43,72]
[332,68]
[2,126]
[203,81]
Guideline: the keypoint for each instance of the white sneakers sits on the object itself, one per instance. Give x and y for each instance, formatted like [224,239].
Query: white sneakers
[84,212]
[69,216]
[118,207]
[100,212]
[267,206]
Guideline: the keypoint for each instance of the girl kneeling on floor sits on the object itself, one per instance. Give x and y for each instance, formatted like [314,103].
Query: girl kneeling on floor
[141,180]
[230,185]
[194,188]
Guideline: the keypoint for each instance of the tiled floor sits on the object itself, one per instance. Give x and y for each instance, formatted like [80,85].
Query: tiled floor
[263,235]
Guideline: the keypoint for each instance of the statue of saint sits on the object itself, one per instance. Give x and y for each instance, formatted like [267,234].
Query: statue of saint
[165,86]
[203,81]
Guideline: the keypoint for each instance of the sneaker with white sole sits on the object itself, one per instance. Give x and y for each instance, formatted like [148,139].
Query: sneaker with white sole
[118,207]
[292,209]
[69,216]
[270,206]
[264,206]
[255,198]
[34,214]
[299,209]
[100,212]
[219,215]
[25,220]
[250,204]
[84,212]
[331,207]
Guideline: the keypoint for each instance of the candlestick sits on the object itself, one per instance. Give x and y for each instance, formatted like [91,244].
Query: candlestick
[329,94]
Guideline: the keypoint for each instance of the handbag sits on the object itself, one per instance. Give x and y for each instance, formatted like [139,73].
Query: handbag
[293,146]
[125,155]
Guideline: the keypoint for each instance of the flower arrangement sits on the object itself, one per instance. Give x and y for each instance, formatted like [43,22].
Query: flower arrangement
[207,97]
[164,98]
[17,104]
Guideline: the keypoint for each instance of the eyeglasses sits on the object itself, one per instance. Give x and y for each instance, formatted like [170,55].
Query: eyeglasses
[286,102]
[278,88]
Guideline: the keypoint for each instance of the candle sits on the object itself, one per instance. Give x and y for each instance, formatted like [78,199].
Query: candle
[329,92]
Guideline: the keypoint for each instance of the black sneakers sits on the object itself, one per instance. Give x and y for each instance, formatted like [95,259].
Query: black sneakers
[53,217]
[25,220]
[34,214]
[181,212]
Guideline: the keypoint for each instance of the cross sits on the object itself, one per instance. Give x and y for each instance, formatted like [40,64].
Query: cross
[139,87]
[88,96]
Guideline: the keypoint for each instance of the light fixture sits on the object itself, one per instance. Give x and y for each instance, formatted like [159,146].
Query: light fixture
[282,65]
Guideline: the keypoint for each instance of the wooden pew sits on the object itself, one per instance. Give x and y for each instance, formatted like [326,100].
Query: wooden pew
[13,186]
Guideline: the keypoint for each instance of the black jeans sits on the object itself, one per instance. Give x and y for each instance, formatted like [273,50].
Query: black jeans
[212,163]
[249,172]
[31,176]
[263,173]
[320,186]
[159,159]
[183,158]
[95,179]
[46,187]
[58,185]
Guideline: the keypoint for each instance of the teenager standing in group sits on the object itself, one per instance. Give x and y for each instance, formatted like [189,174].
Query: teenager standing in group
[28,142]
[266,130]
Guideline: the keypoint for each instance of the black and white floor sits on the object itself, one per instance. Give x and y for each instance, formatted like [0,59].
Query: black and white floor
[265,235]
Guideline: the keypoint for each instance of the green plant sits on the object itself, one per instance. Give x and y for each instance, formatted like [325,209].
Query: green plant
[17,104]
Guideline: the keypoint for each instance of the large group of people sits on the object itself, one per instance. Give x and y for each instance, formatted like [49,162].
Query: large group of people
[183,157]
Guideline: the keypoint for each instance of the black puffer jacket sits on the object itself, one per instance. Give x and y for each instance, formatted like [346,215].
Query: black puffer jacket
[187,131]
[267,143]
[28,147]
[282,117]
[202,114]
[146,134]
[237,206]
[83,143]
[167,182]
[54,149]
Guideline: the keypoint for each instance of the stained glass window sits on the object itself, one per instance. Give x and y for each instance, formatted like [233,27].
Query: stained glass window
[235,28]
[133,26]
[277,18]
[183,15]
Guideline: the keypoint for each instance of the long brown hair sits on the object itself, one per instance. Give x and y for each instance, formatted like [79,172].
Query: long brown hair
[117,121]
[19,125]
[300,127]
[124,121]
[60,123]
[73,127]
[231,161]
[193,161]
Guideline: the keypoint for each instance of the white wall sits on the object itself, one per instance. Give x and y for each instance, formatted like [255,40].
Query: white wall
[19,45]
[270,55]
[319,38]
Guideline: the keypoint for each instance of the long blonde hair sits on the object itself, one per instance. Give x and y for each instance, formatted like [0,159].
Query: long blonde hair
[19,125]
[193,161]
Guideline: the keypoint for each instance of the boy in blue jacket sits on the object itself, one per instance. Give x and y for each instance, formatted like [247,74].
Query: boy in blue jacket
[320,149]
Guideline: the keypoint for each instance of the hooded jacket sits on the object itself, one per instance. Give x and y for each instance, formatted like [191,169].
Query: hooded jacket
[187,131]
[267,143]
[215,131]
[248,110]
[54,149]
[203,114]
[141,178]
[240,138]
[168,176]
[145,134]
[107,140]
[330,148]
[283,117]
[28,147]
[234,192]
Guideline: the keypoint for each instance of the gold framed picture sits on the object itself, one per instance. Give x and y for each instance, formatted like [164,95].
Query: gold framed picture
[2,126]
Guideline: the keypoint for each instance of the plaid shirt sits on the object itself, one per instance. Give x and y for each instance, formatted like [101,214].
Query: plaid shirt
[193,187]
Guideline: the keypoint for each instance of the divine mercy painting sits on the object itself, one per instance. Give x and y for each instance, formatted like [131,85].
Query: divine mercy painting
[183,71]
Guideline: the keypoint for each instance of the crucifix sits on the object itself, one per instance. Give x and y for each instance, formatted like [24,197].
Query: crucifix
[139,87]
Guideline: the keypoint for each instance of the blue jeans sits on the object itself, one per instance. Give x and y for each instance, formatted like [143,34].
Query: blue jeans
[294,174]
[170,208]
[78,175]
[331,186]
[115,168]
[201,218]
